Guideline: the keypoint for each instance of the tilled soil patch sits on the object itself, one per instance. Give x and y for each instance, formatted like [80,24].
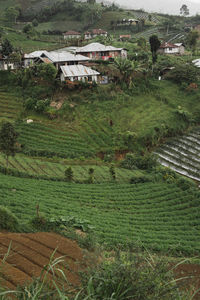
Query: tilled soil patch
[29,254]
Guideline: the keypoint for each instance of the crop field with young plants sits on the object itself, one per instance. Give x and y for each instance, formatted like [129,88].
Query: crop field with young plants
[182,154]
[159,215]
[25,166]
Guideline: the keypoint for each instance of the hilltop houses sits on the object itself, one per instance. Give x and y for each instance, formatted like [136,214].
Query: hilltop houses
[71,35]
[54,57]
[169,48]
[98,51]
[94,33]
[78,73]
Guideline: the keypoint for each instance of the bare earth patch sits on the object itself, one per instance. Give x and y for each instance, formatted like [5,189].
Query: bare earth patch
[31,252]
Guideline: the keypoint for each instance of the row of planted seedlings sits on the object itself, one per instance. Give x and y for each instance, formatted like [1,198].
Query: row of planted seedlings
[114,219]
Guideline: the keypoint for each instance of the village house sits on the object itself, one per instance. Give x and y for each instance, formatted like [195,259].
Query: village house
[125,37]
[168,48]
[98,51]
[56,58]
[71,35]
[94,33]
[6,63]
[78,73]
[128,22]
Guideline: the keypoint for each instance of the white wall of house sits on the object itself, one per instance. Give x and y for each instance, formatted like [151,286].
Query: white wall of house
[79,78]
[72,36]
[124,53]
[6,65]
[171,50]
[87,36]
[28,62]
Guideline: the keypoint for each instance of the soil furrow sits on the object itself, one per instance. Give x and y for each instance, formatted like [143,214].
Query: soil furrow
[12,275]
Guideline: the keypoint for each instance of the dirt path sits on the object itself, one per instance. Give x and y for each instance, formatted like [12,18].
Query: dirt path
[31,252]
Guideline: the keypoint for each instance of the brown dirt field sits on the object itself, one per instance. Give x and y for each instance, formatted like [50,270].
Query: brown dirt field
[31,252]
[192,271]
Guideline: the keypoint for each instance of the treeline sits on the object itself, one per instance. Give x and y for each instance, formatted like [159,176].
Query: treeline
[79,10]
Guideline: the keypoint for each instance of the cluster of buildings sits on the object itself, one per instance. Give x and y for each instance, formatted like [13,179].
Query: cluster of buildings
[88,35]
[75,63]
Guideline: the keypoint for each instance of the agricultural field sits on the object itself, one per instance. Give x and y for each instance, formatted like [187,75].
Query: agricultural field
[182,154]
[20,41]
[159,215]
[10,105]
[29,254]
[45,168]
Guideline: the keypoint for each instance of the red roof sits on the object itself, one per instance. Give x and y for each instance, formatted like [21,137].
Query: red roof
[72,33]
[98,31]
[168,45]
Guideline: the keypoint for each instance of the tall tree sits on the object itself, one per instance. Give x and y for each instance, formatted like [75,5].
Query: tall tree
[192,40]
[11,14]
[7,48]
[184,10]
[8,140]
[155,45]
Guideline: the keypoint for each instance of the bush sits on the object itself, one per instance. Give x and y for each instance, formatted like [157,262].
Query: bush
[134,161]
[39,222]
[140,179]
[8,220]
[125,277]
[69,174]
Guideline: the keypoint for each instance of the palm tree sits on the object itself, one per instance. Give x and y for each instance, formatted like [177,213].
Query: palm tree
[127,69]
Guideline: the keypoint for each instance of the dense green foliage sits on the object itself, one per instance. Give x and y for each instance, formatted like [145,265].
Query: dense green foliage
[159,215]
[8,221]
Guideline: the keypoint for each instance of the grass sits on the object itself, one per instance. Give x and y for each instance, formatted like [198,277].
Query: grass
[156,215]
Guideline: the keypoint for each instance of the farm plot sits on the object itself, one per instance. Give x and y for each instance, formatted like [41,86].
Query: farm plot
[10,105]
[40,139]
[48,141]
[182,154]
[31,252]
[159,216]
[27,166]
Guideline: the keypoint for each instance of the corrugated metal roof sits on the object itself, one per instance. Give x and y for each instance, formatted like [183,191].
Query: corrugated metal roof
[168,45]
[78,70]
[178,44]
[65,56]
[97,47]
[36,54]
[55,56]
[72,33]
[196,62]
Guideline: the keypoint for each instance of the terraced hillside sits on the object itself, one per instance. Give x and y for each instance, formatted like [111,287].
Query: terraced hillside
[182,154]
[160,216]
[40,139]
[10,105]
[25,166]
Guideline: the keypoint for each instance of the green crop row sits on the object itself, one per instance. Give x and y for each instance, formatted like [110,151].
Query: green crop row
[24,166]
[156,215]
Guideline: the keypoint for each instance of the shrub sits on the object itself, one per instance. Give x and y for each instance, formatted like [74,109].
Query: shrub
[112,172]
[140,179]
[127,277]
[134,161]
[39,222]
[69,174]
[8,220]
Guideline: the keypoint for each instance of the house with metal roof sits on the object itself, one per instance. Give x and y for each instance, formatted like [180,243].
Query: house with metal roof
[55,57]
[71,35]
[94,33]
[82,73]
[97,51]
[168,48]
